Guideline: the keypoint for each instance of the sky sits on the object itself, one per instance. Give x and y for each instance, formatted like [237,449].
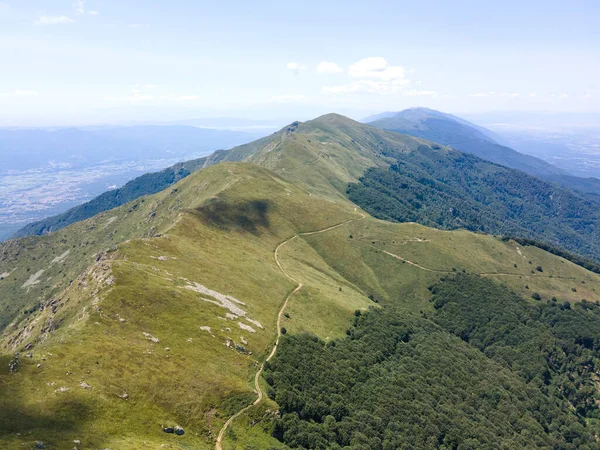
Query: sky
[66,62]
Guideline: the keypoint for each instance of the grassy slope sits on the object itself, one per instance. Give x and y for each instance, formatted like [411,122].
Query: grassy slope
[227,245]
[189,383]
[147,184]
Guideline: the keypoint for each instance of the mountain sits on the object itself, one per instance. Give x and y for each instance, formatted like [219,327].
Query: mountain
[462,135]
[252,304]
[146,184]
[435,187]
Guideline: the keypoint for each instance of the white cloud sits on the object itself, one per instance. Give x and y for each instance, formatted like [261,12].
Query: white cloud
[138,25]
[290,98]
[375,76]
[149,86]
[295,67]
[93,13]
[328,67]
[375,67]
[79,6]
[19,93]
[4,8]
[53,20]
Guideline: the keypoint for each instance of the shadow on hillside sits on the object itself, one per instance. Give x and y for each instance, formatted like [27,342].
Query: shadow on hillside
[249,216]
[36,419]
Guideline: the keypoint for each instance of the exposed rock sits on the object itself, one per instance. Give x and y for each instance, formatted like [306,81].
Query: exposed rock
[225,301]
[243,326]
[84,385]
[124,396]
[39,444]
[14,364]
[60,258]
[167,349]
[255,322]
[62,389]
[231,316]
[150,337]
[77,442]
[39,365]
[244,341]
[33,279]
[205,328]
[179,431]
[241,349]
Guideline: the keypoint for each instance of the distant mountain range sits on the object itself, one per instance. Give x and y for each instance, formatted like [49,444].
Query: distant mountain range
[467,137]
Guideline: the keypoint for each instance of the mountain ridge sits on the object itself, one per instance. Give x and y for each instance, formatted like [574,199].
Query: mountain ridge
[160,313]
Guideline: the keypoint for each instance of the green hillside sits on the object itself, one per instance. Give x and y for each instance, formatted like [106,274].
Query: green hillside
[467,137]
[146,184]
[164,311]
[448,189]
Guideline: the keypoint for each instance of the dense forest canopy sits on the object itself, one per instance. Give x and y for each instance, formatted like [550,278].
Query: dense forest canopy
[448,189]
[487,369]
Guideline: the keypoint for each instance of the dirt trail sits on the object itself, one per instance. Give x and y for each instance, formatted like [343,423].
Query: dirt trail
[411,263]
[279,318]
[485,274]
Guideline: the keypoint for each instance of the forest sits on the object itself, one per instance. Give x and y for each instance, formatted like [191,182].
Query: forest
[485,369]
[449,190]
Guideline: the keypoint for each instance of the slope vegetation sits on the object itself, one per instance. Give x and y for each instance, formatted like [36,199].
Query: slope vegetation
[467,137]
[161,312]
[448,189]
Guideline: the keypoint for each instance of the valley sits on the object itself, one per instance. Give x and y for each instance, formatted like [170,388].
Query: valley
[47,172]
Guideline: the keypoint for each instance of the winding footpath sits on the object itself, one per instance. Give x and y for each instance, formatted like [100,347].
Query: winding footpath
[484,274]
[279,318]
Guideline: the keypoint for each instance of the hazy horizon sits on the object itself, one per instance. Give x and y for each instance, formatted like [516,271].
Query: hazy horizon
[88,62]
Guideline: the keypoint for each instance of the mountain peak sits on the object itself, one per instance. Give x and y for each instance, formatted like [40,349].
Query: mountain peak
[334,119]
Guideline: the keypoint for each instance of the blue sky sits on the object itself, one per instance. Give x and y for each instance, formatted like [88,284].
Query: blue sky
[92,61]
